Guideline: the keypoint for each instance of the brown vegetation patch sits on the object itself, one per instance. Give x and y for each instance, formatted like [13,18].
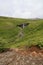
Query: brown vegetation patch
[33,49]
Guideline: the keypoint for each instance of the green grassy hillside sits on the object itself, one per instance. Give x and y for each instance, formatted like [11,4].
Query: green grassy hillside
[10,33]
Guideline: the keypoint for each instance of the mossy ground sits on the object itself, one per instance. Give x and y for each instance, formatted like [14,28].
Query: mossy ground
[9,32]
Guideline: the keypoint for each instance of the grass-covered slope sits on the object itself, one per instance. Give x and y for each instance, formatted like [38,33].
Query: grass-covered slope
[9,32]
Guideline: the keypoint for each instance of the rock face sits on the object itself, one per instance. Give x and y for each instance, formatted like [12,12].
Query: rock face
[23,25]
[19,57]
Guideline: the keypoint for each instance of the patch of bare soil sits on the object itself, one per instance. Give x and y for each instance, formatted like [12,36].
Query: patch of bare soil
[30,56]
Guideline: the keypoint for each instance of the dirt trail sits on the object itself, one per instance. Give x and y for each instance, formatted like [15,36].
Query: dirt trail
[21,57]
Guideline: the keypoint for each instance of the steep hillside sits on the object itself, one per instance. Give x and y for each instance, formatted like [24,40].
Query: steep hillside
[12,36]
